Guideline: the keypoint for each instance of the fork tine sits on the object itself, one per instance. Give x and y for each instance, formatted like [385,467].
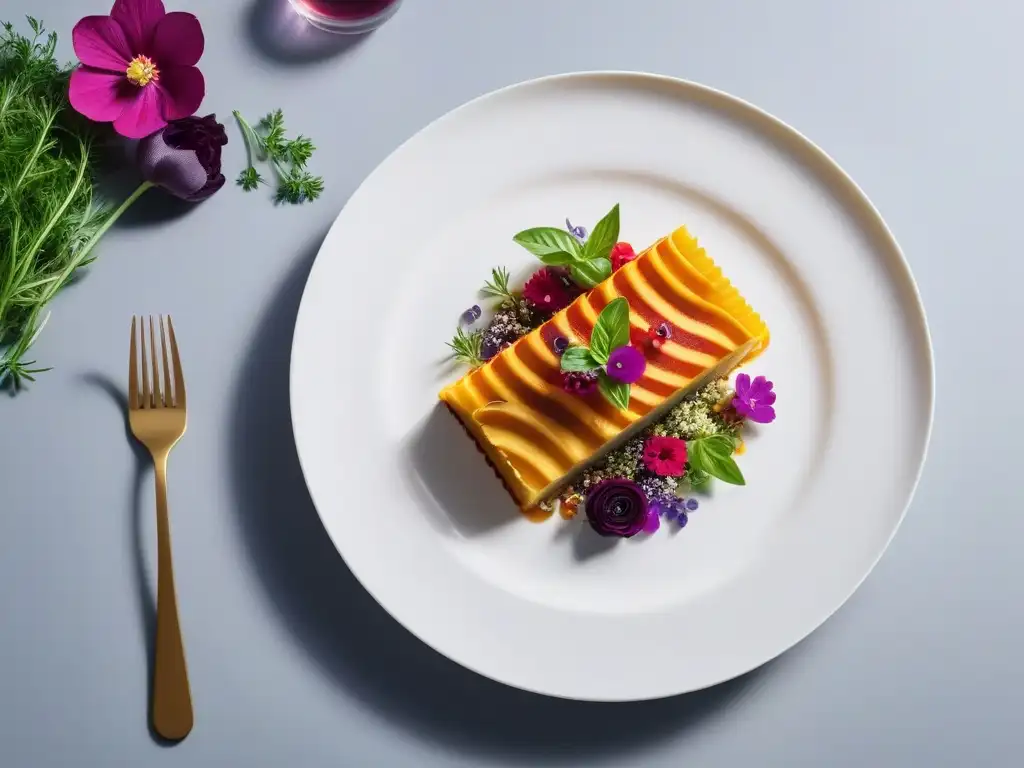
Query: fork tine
[146,402]
[133,372]
[167,369]
[179,376]
[158,398]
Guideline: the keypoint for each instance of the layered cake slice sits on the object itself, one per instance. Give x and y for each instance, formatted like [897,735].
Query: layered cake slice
[538,436]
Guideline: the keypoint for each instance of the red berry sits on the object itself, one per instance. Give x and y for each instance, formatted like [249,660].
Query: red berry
[622,253]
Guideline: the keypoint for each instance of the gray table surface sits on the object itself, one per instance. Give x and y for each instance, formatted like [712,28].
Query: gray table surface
[291,662]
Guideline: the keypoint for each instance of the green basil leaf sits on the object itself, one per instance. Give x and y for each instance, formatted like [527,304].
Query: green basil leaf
[557,259]
[590,273]
[545,241]
[713,455]
[604,237]
[615,392]
[726,470]
[611,330]
[579,359]
[719,446]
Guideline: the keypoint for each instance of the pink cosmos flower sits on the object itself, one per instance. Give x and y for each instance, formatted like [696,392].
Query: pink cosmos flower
[138,67]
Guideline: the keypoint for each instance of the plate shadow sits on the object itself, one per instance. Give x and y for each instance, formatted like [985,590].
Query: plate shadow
[365,652]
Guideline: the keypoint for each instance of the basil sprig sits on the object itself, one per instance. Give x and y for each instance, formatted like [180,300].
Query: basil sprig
[611,331]
[713,455]
[589,262]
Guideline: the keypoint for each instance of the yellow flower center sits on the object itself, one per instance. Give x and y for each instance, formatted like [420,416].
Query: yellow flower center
[142,71]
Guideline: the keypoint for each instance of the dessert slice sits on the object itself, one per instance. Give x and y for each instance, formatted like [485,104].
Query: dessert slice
[538,436]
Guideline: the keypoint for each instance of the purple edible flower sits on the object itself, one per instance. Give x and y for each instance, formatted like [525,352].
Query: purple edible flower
[683,519]
[184,157]
[691,505]
[617,508]
[626,364]
[560,344]
[472,314]
[488,350]
[754,399]
[580,233]
[653,522]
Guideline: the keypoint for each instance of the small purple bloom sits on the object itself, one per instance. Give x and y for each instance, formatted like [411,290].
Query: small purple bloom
[580,233]
[653,522]
[617,508]
[472,314]
[488,350]
[683,519]
[560,344]
[670,511]
[754,399]
[691,505]
[626,364]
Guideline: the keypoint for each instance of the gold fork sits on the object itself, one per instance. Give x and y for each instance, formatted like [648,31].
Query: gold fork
[157,420]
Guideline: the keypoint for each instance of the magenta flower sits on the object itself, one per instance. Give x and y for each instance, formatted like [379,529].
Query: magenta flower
[626,364]
[754,399]
[138,67]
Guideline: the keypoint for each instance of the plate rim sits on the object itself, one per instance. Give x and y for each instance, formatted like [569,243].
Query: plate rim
[712,94]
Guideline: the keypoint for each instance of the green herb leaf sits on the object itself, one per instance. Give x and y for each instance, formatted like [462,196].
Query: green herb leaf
[466,347]
[547,242]
[590,273]
[286,157]
[713,455]
[558,259]
[579,359]
[497,286]
[615,392]
[611,330]
[604,237]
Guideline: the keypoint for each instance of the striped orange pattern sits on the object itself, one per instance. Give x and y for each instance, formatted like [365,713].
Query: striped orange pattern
[537,436]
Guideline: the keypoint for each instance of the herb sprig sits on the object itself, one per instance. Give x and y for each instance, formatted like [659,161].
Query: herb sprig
[466,347]
[497,286]
[589,263]
[49,221]
[611,331]
[268,143]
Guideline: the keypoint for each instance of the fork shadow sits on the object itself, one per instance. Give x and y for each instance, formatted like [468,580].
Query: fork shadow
[357,645]
[145,600]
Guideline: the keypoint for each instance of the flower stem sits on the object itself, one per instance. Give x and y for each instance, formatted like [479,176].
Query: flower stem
[253,146]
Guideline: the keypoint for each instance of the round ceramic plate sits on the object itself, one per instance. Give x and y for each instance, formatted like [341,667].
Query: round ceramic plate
[422,520]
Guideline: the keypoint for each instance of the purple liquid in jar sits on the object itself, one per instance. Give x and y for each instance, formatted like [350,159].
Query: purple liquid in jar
[346,16]
[346,10]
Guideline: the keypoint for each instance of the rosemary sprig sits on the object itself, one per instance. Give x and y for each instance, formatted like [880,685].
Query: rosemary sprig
[497,286]
[466,347]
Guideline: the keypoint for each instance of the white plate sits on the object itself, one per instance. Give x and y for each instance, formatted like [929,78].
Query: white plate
[420,518]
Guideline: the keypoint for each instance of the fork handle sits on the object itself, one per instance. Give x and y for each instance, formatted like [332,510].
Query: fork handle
[172,698]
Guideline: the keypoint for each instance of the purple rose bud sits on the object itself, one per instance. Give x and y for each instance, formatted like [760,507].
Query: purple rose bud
[617,508]
[626,364]
[184,157]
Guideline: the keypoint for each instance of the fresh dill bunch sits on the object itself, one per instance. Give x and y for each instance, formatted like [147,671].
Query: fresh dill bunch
[49,221]
[466,347]
[268,143]
[497,286]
